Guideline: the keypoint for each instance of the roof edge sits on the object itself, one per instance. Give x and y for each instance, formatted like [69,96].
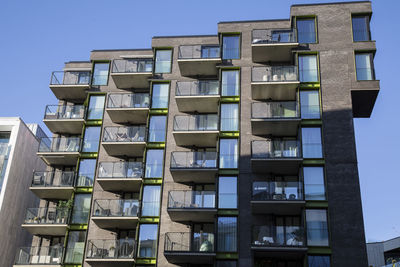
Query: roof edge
[133,49]
[247,21]
[333,3]
[184,36]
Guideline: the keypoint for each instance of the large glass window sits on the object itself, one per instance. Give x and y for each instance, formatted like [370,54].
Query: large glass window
[160,95]
[317,228]
[314,185]
[87,168]
[91,139]
[311,142]
[100,74]
[319,261]
[227,234]
[306,31]
[163,61]
[309,104]
[147,240]
[308,70]
[154,163]
[227,192]
[157,128]
[229,117]
[364,67]
[151,200]
[80,212]
[231,47]
[361,30]
[75,247]
[228,153]
[96,107]
[230,83]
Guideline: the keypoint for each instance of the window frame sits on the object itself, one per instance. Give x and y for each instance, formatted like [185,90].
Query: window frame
[230,34]
[93,69]
[155,59]
[323,180]
[152,94]
[319,103]
[233,155]
[367,17]
[165,128]
[237,123]
[238,70]
[371,59]
[218,239]
[156,240]
[316,54]
[322,142]
[327,227]
[308,17]
[218,191]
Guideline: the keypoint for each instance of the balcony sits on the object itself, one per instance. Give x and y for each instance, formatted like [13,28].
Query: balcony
[59,150]
[282,196]
[106,252]
[275,118]
[197,96]
[116,213]
[192,206]
[125,141]
[196,130]
[194,167]
[46,221]
[199,60]
[53,184]
[276,156]
[65,119]
[128,108]
[50,256]
[132,73]
[70,85]
[274,83]
[120,176]
[273,45]
[189,248]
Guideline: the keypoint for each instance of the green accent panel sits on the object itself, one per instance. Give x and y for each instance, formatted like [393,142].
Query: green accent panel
[316,204]
[302,52]
[227,256]
[91,155]
[152,181]
[310,85]
[228,172]
[160,81]
[162,47]
[149,220]
[228,212]
[146,261]
[158,111]
[319,250]
[306,17]
[229,134]
[230,68]
[311,122]
[72,265]
[94,122]
[77,227]
[84,190]
[230,33]
[313,162]
[230,99]
[155,145]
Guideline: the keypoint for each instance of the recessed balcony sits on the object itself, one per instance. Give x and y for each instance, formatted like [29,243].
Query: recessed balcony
[53,184]
[116,213]
[275,118]
[132,73]
[67,119]
[274,83]
[110,252]
[46,221]
[196,130]
[50,256]
[70,85]
[197,96]
[128,108]
[120,176]
[273,45]
[199,60]
[59,150]
[125,141]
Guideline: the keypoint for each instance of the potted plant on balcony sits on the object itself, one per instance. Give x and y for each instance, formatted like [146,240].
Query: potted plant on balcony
[297,238]
[62,209]
[112,252]
[36,219]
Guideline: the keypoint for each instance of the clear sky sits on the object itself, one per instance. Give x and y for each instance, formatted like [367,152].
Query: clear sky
[37,37]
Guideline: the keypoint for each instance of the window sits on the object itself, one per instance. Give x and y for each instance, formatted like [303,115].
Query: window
[317,228]
[229,117]
[319,261]
[308,70]
[75,247]
[361,30]
[80,213]
[100,74]
[157,128]
[160,95]
[231,47]
[314,186]
[227,192]
[228,153]
[151,200]
[227,234]
[147,240]
[306,31]
[96,107]
[311,142]
[364,67]
[309,104]
[86,172]
[91,139]
[163,61]
[230,83]
[154,163]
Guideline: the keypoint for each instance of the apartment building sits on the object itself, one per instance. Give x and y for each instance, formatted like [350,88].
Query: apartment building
[234,149]
[384,254]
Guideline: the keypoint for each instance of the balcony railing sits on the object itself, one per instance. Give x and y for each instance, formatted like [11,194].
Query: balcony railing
[53,179]
[64,112]
[125,134]
[195,160]
[286,189]
[278,236]
[275,149]
[139,100]
[274,74]
[120,170]
[116,208]
[197,88]
[70,78]
[271,36]
[198,51]
[191,199]
[132,65]
[274,110]
[189,242]
[111,249]
[55,215]
[208,122]
[51,255]
[59,144]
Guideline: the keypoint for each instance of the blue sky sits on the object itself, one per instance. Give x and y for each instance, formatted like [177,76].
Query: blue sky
[37,37]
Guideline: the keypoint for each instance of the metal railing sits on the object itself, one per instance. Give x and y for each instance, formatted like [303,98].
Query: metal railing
[287,189]
[64,112]
[197,88]
[125,169]
[189,242]
[59,144]
[278,236]
[274,110]
[111,249]
[70,78]
[191,199]
[132,65]
[125,134]
[53,179]
[50,255]
[116,208]
[274,74]
[275,149]
[198,51]
[138,100]
[204,122]
[195,160]
[270,36]
[55,215]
